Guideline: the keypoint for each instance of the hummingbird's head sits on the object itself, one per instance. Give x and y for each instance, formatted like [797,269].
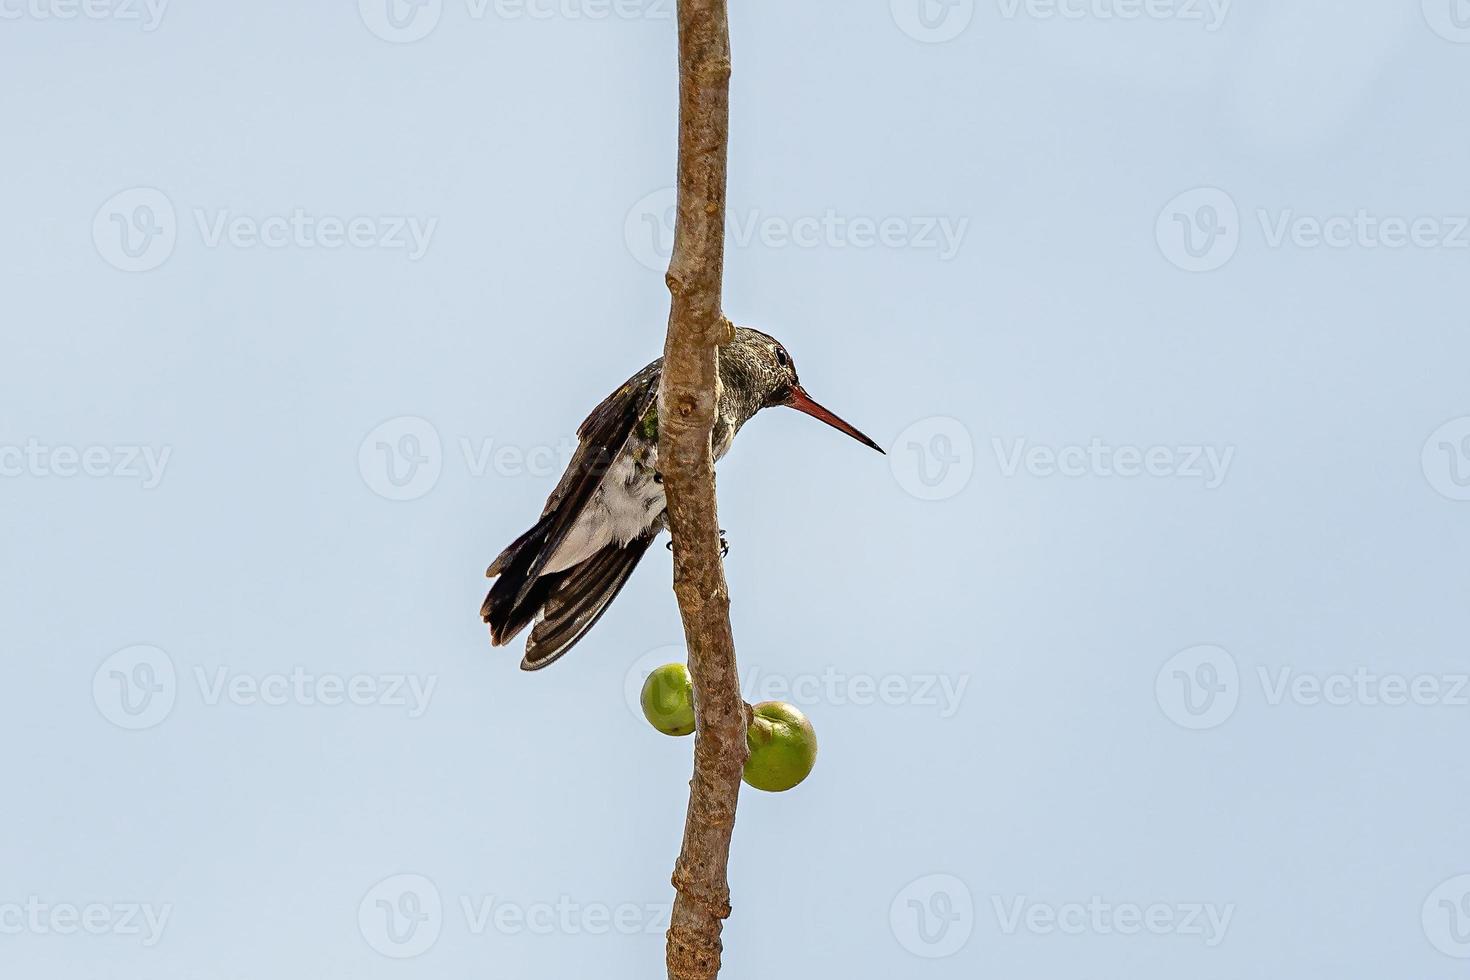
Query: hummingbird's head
[773,375]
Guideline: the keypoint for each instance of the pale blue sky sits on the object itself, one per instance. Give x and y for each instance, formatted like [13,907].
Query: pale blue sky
[1142,654]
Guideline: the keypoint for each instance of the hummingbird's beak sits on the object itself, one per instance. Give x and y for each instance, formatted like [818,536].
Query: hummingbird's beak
[803,402]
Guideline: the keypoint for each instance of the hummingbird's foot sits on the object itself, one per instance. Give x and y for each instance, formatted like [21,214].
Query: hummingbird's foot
[724,545]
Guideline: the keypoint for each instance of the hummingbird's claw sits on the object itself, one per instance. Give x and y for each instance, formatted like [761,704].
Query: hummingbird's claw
[724,545]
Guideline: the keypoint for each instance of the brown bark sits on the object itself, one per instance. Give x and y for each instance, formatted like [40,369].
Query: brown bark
[687,402]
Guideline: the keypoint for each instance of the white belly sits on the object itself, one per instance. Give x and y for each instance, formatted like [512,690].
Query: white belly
[624,506]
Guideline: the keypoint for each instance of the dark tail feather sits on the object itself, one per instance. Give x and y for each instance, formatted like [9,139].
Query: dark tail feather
[577,600]
[506,616]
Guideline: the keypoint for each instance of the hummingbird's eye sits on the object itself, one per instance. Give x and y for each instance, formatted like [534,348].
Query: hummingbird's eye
[781,357]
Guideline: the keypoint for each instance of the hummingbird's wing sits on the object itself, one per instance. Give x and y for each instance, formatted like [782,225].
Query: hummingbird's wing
[520,592]
[603,434]
[580,596]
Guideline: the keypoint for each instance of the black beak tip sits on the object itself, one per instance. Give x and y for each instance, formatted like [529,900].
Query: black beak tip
[803,403]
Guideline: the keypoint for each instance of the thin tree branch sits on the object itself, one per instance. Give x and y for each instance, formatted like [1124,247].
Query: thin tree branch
[687,403]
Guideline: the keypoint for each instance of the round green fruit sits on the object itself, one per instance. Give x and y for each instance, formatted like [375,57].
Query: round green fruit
[668,700]
[783,747]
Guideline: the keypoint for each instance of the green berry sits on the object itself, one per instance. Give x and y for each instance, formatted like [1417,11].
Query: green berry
[783,747]
[668,700]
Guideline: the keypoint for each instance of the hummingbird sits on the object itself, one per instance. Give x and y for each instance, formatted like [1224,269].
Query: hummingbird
[609,506]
